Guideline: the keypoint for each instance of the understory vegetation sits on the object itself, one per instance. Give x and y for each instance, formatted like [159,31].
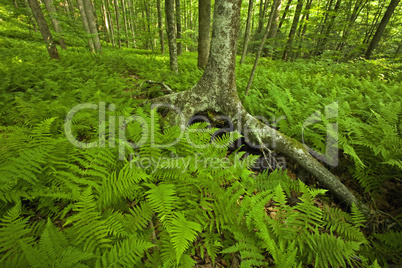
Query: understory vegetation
[112,206]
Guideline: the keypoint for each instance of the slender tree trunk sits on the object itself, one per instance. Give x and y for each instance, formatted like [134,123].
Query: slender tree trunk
[304,28]
[247,32]
[130,13]
[116,7]
[204,30]
[85,23]
[171,31]
[274,8]
[179,30]
[125,22]
[285,13]
[31,20]
[160,26]
[148,16]
[52,12]
[371,30]
[263,11]
[359,5]
[106,22]
[321,44]
[109,15]
[288,47]
[89,11]
[44,29]
[381,28]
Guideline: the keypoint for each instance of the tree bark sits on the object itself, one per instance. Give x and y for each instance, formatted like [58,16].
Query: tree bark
[216,90]
[171,31]
[116,7]
[93,28]
[44,29]
[274,8]
[160,26]
[293,30]
[322,42]
[285,13]
[247,31]
[52,11]
[150,42]
[85,23]
[262,14]
[125,22]
[179,30]
[303,27]
[204,31]
[381,28]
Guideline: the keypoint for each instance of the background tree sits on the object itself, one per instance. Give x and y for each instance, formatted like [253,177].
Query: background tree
[247,31]
[179,28]
[292,32]
[171,31]
[160,26]
[52,12]
[204,31]
[44,29]
[381,28]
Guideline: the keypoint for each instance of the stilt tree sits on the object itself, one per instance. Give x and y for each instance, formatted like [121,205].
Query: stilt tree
[216,90]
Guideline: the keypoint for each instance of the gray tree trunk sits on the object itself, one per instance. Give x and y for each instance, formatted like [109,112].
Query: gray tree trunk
[125,22]
[150,42]
[293,30]
[247,31]
[381,28]
[89,11]
[116,7]
[285,13]
[52,12]
[178,21]
[216,90]
[160,26]
[204,31]
[171,31]
[85,23]
[274,8]
[44,29]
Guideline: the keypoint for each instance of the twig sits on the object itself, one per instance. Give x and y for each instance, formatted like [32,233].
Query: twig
[168,89]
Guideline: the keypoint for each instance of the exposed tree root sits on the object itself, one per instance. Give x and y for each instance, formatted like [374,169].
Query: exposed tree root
[185,105]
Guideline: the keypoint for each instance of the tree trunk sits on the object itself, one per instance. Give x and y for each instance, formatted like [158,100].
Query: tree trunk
[89,11]
[178,21]
[274,8]
[261,15]
[52,11]
[381,28]
[30,17]
[44,29]
[204,31]
[321,44]
[150,42]
[171,31]
[216,90]
[125,22]
[160,26]
[116,7]
[303,28]
[247,32]
[285,13]
[288,47]
[109,15]
[85,23]
[130,13]
[359,5]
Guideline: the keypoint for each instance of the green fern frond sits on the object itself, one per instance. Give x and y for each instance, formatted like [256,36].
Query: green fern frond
[13,233]
[125,254]
[183,232]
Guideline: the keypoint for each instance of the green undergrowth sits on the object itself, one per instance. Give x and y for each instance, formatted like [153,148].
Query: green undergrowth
[64,206]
